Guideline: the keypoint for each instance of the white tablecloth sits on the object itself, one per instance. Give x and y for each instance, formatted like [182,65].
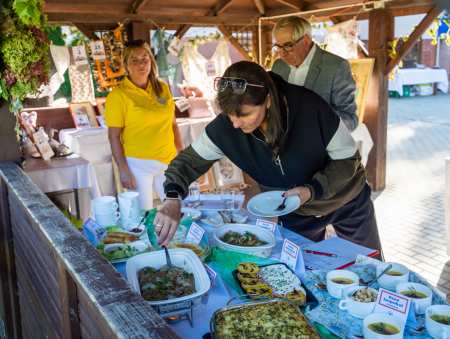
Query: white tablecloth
[416,76]
[61,174]
[56,178]
[93,145]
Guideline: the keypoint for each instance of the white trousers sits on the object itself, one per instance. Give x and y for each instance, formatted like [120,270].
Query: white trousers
[149,175]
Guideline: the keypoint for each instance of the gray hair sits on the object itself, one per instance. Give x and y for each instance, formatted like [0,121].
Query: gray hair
[300,26]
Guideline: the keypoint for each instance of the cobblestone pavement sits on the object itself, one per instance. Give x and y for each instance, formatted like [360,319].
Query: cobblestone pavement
[410,211]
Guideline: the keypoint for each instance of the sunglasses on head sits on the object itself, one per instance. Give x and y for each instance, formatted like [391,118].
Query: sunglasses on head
[237,85]
[288,46]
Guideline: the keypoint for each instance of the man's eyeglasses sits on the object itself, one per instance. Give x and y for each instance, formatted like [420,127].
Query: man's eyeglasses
[288,46]
[237,85]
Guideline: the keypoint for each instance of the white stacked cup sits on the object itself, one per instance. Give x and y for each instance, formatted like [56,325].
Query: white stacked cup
[130,212]
[105,210]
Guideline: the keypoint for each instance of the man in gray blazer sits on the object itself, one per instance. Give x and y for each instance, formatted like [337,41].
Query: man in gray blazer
[304,63]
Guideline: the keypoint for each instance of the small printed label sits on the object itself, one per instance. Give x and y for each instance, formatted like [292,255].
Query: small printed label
[93,232]
[195,234]
[97,50]
[79,55]
[289,253]
[271,226]
[211,273]
[393,304]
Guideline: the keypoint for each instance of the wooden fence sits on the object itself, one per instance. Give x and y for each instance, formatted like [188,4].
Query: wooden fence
[53,283]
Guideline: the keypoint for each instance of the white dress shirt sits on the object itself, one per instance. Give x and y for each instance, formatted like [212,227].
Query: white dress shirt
[297,76]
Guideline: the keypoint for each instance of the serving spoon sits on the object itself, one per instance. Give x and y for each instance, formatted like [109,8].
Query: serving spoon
[168,261]
[370,282]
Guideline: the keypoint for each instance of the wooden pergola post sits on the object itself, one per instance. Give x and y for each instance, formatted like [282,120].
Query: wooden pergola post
[381,31]
[10,150]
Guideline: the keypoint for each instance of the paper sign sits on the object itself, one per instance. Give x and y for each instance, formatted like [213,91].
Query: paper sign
[195,234]
[392,303]
[211,273]
[97,50]
[93,232]
[290,253]
[79,55]
[271,226]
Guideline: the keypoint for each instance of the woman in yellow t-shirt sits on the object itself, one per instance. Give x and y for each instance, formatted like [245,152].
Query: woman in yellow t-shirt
[140,115]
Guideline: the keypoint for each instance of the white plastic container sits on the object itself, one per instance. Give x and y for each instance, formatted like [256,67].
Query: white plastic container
[262,234]
[181,257]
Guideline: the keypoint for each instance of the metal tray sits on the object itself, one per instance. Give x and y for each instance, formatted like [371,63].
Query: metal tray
[252,302]
[311,300]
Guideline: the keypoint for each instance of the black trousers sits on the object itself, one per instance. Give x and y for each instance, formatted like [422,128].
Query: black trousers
[354,221]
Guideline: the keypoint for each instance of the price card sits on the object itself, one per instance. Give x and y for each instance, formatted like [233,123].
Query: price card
[195,234]
[270,225]
[79,55]
[290,253]
[211,273]
[93,232]
[97,50]
[393,303]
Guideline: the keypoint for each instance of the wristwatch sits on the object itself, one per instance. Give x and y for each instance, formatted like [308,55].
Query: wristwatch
[174,195]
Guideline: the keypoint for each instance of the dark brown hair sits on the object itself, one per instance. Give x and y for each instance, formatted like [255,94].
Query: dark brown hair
[153,76]
[230,103]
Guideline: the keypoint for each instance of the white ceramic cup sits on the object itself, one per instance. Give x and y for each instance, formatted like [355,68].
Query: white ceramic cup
[384,318]
[436,329]
[335,289]
[104,205]
[390,282]
[107,219]
[420,304]
[130,212]
[354,307]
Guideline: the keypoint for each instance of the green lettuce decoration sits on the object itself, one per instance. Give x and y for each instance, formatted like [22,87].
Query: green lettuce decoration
[28,11]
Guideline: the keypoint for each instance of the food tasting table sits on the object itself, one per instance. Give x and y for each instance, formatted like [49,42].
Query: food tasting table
[63,175]
[416,76]
[330,321]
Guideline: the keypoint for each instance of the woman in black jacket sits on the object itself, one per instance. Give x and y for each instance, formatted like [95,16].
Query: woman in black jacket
[286,138]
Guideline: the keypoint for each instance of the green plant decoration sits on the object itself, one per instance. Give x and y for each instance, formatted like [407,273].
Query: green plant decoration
[24,51]
[28,11]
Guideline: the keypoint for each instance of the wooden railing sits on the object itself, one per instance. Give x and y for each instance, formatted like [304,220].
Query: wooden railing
[54,284]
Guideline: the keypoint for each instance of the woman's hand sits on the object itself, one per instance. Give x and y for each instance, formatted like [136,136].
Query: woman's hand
[127,178]
[302,191]
[167,220]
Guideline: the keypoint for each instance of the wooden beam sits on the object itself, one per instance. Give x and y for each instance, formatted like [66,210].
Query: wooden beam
[259,4]
[233,41]
[181,30]
[87,31]
[415,35]
[141,30]
[137,5]
[219,7]
[381,31]
[295,4]
[231,20]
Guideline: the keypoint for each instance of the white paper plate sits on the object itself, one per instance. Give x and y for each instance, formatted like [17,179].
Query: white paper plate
[265,204]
